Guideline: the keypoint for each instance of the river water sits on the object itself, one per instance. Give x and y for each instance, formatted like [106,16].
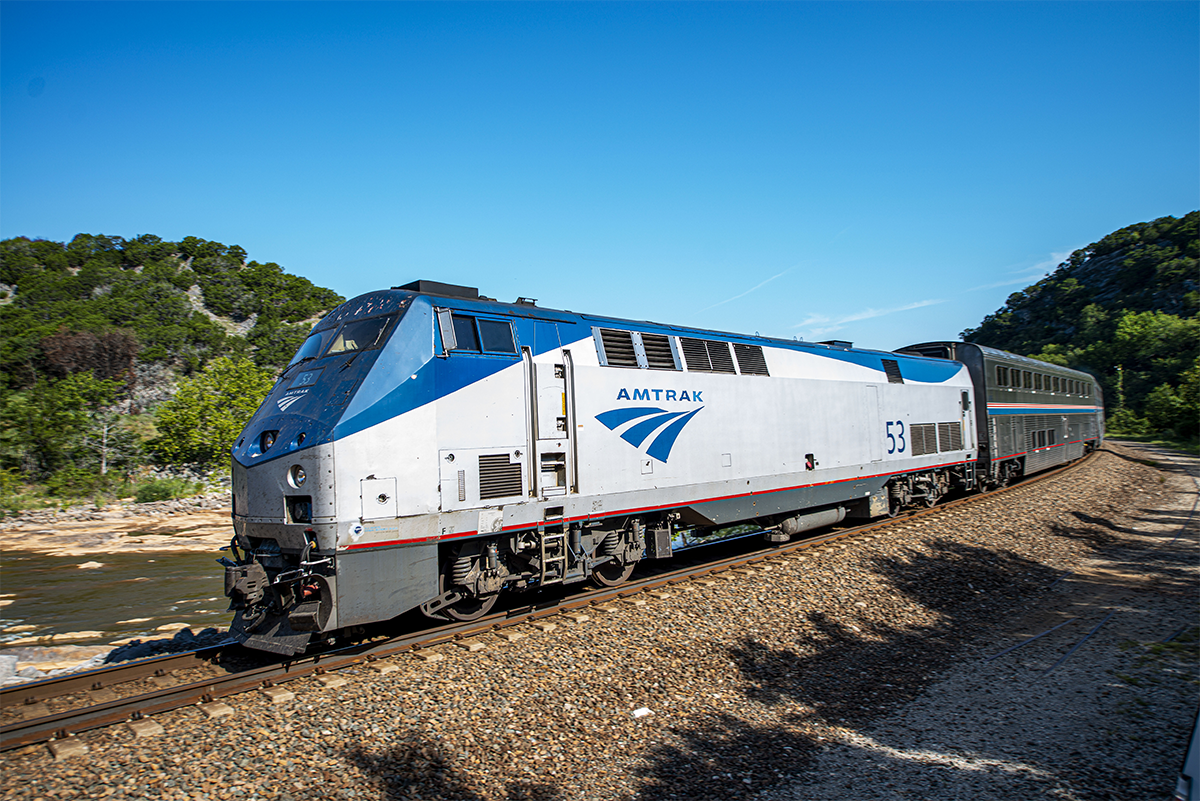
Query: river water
[130,595]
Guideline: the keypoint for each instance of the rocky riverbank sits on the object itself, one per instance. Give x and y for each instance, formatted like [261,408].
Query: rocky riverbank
[201,523]
[879,668]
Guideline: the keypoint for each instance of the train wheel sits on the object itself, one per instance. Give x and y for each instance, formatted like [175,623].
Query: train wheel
[469,609]
[610,574]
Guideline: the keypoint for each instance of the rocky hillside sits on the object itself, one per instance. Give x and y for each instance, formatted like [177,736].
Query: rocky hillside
[1126,309]
[113,306]
[1148,267]
[101,333]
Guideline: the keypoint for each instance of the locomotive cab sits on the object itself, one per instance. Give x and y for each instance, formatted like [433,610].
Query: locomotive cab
[282,577]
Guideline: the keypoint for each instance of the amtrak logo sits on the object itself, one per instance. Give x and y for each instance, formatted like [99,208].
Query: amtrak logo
[286,401]
[648,420]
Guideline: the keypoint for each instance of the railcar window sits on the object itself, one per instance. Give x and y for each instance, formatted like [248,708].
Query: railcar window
[1056,383]
[359,335]
[1052,436]
[464,333]
[1037,380]
[496,336]
[1028,379]
[1001,375]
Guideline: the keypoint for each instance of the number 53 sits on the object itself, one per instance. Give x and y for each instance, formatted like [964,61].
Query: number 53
[897,439]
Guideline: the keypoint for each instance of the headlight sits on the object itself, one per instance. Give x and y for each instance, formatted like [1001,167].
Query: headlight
[298,476]
[267,440]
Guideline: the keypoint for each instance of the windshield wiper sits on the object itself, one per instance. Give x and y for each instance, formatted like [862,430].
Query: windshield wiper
[288,369]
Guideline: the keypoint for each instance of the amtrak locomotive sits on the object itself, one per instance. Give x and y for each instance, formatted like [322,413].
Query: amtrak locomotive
[430,448]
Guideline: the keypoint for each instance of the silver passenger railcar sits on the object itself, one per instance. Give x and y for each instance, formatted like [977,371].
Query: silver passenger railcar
[1032,415]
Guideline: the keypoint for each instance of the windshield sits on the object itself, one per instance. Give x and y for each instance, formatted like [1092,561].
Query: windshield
[309,350]
[359,335]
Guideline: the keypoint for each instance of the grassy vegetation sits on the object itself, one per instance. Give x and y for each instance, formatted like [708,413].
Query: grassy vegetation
[17,496]
[1191,446]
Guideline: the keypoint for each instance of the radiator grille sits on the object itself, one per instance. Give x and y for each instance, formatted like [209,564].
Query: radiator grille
[892,368]
[658,352]
[497,477]
[706,355]
[924,438]
[618,348]
[949,436]
[750,359]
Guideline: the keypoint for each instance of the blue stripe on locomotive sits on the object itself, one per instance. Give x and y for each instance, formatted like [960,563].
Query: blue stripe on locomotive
[405,375]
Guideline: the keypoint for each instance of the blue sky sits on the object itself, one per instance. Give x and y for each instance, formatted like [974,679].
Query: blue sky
[881,172]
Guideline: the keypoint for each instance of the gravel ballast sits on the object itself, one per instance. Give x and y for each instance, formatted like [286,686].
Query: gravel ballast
[855,671]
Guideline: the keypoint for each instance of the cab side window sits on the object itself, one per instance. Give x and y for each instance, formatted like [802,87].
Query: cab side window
[483,335]
[464,333]
[496,336]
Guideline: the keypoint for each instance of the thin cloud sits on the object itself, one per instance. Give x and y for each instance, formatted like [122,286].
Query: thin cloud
[818,325]
[1027,275]
[748,291]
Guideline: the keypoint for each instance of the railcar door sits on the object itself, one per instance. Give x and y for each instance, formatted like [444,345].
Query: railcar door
[551,419]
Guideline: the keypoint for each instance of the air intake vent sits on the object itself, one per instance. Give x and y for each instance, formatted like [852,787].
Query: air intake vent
[750,359]
[658,352]
[618,348]
[949,436]
[498,478]
[924,438]
[892,368]
[706,355]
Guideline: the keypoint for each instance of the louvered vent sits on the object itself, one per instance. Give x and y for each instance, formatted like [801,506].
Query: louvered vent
[497,477]
[618,348]
[696,355]
[924,438]
[949,436]
[750,359]
[718,354]
[892,368]
[707,355]
[658,352]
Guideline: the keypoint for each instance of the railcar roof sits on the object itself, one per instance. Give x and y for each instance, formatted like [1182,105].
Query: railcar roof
[490,305]
[1003,355]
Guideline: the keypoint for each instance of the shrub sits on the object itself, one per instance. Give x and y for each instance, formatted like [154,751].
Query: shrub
[164,489]
[74,482]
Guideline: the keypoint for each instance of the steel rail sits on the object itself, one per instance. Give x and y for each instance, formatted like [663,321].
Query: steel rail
[71,722]
[107,677]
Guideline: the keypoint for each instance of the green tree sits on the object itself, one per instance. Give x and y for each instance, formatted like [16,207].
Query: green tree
[1164,408]
[54,424]
[202,420]
[1189,393]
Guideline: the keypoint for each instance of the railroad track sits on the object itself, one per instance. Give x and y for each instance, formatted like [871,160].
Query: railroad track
[226,672]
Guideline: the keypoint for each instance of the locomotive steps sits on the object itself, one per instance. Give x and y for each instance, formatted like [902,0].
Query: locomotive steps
[860,666]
